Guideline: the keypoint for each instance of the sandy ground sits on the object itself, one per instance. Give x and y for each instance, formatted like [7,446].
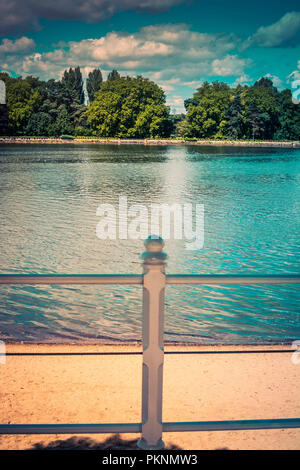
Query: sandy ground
[107,388]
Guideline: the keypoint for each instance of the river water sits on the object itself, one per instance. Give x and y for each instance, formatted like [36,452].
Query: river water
[49,195]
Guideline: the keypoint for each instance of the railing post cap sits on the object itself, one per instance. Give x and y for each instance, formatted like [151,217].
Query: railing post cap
[154,254]
[154,243]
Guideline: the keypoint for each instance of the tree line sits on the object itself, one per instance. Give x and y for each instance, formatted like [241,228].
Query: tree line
[135,107]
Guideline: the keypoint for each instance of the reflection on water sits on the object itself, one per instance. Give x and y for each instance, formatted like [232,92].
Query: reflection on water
[49,196]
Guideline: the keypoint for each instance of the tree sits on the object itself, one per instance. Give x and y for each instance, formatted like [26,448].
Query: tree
[136,107]
[289,118]
[255,120]
[72,80]
[206,112]
[184,129]
[54,93]
[22,102]
[234,119]
[129,107]
[176,119]
[266,97]
[154,121]
[38,125]
[190,101]
[104,114]
[93,83]
[62,124]
[113,75]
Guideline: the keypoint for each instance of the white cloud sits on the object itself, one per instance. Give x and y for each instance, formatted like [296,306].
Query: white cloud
[19,46]
[171,54]
[282,33]
[156,51]
[229,66]
[243,79]
[194,84]
[166,86]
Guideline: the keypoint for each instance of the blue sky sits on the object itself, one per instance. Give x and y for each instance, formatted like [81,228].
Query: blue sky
[177,43]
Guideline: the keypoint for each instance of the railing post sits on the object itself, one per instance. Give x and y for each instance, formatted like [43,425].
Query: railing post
[154,281]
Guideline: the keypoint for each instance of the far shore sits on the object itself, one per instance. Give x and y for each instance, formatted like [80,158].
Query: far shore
[212,143]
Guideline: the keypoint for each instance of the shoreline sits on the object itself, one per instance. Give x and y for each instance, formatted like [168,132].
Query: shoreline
[106,388]
[146,142]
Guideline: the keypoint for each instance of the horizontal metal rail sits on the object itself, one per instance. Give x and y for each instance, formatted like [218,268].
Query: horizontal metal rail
[153,281]
[136,353]
[224,279]
[201,279]
[69,279]
[232,425]
[70,428]
[137,427]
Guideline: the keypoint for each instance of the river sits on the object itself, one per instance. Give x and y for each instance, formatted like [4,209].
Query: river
[49,195]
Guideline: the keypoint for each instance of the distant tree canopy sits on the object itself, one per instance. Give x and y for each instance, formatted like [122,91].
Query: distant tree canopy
[41,108]
[129,107]
[136,107]
[206,112]
[93,83]
[113,75]
[22,101]
[260,111]
[72,81]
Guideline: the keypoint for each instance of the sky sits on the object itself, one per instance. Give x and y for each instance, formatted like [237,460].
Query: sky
[179,44]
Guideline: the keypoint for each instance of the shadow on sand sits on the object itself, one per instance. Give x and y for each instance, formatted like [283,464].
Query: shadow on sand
[85,443]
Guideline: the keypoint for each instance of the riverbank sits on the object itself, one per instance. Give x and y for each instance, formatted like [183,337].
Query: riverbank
[107,388]
[216,143]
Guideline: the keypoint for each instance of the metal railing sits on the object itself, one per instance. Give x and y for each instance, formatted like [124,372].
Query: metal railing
[153,281]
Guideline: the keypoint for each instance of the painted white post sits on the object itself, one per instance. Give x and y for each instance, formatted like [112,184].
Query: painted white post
[154,281]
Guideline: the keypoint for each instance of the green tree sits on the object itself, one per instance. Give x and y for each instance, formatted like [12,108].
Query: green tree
[22,102]
[113,75]
[62,124]
[72,80]
[154,121]
[289,118]
[234,119]
[104,113]
[38,125]
[184,129]
[266,97]
[176,119]
[129,107]
[206,112]
[255,120]
[93,83]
